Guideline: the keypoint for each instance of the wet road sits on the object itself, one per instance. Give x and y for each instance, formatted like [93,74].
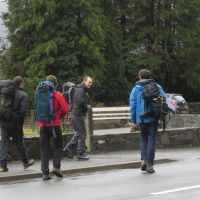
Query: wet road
[175,181]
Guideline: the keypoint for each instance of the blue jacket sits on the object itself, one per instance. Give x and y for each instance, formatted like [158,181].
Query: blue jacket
[138,105]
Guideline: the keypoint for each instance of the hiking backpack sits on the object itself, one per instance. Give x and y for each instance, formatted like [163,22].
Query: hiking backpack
[156,103]
[68,90]
[7,94]
[44,109]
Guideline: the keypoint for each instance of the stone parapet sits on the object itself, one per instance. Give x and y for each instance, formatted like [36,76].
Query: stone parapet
[183,120]
[179,137]
[194,108]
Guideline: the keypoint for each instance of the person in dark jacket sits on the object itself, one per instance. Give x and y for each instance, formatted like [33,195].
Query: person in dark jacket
[46,133]
[14,128]
[79,109]
[148,126]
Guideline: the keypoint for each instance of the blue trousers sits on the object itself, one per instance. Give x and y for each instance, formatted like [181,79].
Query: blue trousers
[148,141]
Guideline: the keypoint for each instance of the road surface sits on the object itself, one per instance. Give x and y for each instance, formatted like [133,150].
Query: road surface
[177,181]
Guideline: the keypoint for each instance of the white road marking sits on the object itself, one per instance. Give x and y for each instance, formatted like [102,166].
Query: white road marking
[176,190]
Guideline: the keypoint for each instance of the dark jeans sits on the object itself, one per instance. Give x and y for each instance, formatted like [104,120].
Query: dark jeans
[16,133]
[45,137]
[148,141]
[79,135]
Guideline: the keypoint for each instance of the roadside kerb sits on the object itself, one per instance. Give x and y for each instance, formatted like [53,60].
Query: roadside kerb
[81,170]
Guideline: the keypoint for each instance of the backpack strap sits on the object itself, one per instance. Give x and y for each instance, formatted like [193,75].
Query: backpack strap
[50,84]
[165,123]
[52,113]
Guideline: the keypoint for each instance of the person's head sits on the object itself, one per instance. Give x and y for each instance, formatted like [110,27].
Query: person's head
[18,81]
[52,79]
[144,74]
[87,80]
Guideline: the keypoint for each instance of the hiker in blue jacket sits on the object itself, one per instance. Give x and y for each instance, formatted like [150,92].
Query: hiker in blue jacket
[149,125]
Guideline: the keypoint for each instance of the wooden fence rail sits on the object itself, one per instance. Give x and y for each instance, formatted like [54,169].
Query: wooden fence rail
[104,113]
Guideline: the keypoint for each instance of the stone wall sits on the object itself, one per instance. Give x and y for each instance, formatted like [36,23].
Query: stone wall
[32,146]
[184,137]
[182,130]
[176,121]
[183,120]
[194,108]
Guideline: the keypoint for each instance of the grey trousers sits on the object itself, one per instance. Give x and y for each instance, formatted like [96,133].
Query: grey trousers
[79,135]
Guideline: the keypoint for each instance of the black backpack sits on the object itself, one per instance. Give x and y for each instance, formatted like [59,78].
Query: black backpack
[150,91]
[156,103]
[7,94]
[68,90]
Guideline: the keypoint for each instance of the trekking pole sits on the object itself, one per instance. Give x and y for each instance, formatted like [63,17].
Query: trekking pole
[53,129]
[165,123]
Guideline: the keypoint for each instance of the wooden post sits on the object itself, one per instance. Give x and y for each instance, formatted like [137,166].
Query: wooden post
[89,128]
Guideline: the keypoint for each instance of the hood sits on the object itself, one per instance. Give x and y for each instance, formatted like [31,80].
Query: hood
[82,85]
[8,91]
[143,82]
[7,87]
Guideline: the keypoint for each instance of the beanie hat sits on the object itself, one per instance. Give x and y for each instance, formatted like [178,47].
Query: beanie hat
[52,79]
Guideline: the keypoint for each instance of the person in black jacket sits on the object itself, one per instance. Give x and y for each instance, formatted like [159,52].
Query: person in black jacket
[14,128]
[79,109]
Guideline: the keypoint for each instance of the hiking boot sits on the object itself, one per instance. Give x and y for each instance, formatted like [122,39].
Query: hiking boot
[46,177]
[30,162]
[150,169]
[82,157]
[57,172]
[68,152]
[3,169]
[143,166]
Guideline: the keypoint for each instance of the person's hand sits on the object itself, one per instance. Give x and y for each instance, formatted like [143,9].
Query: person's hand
[134,127]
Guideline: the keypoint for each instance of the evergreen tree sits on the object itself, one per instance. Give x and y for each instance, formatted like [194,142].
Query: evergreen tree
[164,38]
[108,40]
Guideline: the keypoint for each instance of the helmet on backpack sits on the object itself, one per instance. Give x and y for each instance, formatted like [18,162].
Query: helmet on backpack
[68,90]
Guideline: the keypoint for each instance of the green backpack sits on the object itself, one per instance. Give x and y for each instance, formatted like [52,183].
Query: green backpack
[44,109]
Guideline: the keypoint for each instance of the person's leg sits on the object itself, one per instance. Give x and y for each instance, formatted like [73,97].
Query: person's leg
[45,134]
[143,146]
[4,148]
[74,139]
[17,137]
[57,154]
[82,135]
[143,141]
[58,143]
[68,149]
[79,126]
[152,130]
